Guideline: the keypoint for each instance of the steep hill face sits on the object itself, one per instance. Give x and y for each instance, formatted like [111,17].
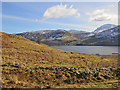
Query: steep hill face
[18,50]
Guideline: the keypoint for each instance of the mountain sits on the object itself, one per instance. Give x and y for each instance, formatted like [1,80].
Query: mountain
[45,34]
[109,33]
[27,64]
[50,37]
[79,34]
[77,31]
[103,28]
[104,35]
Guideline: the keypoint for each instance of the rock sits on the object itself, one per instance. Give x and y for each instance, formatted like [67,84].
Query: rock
[46,68]
[106,77]
[12,65]
[68,68]
[112,69]
[87,71]
[26,67]
[72,68]
[63,68]
[51,68]
[107,69]
[112,76]
[67,81]
[56,68]
[72,74]
[48,87]
[16,65]
[77,72]
[41,67]
[100,70]
[98,78]
[30,72]
[83,74]
[36,68]
[97,69]
[76,68]
[4,65]
[118,69]
[96,74]
[58,84]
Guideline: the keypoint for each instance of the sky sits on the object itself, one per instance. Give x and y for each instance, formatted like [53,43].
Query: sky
[20,17]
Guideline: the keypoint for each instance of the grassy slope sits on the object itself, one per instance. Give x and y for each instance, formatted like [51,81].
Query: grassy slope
[18,50]
[26,53]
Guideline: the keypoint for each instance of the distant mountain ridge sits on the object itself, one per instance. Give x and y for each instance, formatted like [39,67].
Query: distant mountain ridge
[45,34]
[50,37]
[104,35]
[104,27]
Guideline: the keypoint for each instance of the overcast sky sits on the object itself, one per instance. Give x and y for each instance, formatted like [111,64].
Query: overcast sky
[32,16]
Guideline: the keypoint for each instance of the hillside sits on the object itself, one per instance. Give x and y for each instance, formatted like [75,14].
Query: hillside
[26,64]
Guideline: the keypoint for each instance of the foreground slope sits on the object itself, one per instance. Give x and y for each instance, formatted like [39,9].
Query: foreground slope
[28,64]
[18,50]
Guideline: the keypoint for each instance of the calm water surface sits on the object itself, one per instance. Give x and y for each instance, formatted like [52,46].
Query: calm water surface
[101,50]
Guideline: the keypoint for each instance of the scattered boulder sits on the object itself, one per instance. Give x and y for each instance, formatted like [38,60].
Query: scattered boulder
[98,78]
[84,75]
[77,72]
[106,77]
[100,70]
[87,71]
[72,68]
[67,81]
[46,68]
[41,67]
[4,65]
[72,74]
[51,68]
[76,68]
[96,74]
[112,69]
[48,87]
